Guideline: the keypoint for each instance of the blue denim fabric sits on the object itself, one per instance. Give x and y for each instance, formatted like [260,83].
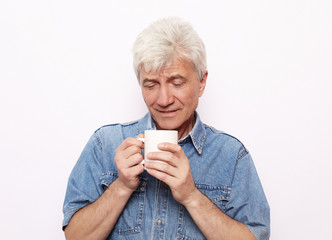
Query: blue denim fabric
[221,167]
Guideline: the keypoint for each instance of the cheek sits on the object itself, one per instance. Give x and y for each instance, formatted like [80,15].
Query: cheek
[149,98]
[188,97]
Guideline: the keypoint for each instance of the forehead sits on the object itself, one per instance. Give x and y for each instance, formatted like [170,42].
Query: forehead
[177,67]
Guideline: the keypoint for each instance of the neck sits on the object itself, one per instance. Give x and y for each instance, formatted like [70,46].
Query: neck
[186,127]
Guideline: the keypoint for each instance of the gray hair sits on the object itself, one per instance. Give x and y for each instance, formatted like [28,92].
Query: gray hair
[166,40]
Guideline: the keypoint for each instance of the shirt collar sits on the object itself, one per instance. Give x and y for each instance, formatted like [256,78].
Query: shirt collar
[197,134]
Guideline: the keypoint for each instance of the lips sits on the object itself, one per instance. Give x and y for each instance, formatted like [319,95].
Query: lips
[166,112]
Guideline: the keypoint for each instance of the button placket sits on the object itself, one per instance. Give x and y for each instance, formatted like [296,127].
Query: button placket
[161,210]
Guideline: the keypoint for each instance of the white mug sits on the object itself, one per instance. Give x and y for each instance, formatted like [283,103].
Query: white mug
[153,137]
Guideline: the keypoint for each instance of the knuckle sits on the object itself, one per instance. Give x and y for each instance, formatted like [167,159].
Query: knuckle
[178,148]
[117,158]
[137,149]
[127,141]
[138,156]
[134,150]
[117,151]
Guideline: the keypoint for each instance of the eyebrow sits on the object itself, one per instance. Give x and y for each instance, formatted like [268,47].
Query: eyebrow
[145,80]
[176,76]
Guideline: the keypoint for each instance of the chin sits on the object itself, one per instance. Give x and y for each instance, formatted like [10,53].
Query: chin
[167,125]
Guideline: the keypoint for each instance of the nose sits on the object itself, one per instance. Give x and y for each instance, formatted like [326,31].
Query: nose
[165,97]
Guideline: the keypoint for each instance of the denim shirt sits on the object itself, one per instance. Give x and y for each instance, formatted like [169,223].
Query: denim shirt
[221,167]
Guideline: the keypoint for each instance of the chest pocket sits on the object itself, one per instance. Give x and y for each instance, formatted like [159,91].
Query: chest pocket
[187,229]
[131,219]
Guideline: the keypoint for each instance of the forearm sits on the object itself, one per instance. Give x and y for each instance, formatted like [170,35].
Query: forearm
[215,224]
[97,220]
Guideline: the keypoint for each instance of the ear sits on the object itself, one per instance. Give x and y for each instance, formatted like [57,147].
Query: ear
[202,84]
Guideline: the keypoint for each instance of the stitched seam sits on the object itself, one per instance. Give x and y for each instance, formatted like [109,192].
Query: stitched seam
[97,137]
[242,154]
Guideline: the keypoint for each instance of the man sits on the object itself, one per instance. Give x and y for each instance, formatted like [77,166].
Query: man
[208,190]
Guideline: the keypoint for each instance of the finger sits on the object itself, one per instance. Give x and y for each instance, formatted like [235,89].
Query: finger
[129,142]
[129,176]
[133,160]
[130,151]
[129,147]
[168,179]
[137,169]
[161,167]
[170,147]
[166,157]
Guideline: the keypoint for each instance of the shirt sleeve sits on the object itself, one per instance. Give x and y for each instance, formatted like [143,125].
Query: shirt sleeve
[84,181]
[248,203]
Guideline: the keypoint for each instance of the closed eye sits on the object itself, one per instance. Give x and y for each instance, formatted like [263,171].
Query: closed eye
[178,84]
[149,84]
[177,80]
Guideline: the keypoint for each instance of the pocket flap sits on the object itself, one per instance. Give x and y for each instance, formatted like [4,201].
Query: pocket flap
[215,193]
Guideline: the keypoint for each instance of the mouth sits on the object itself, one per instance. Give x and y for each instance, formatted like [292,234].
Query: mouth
[166,113]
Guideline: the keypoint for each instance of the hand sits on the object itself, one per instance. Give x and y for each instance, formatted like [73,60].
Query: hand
[176,174]
[128,157]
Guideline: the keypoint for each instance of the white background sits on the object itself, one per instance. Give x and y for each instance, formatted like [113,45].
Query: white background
[66,69]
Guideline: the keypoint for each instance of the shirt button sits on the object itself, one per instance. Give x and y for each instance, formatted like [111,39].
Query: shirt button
[159,222]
